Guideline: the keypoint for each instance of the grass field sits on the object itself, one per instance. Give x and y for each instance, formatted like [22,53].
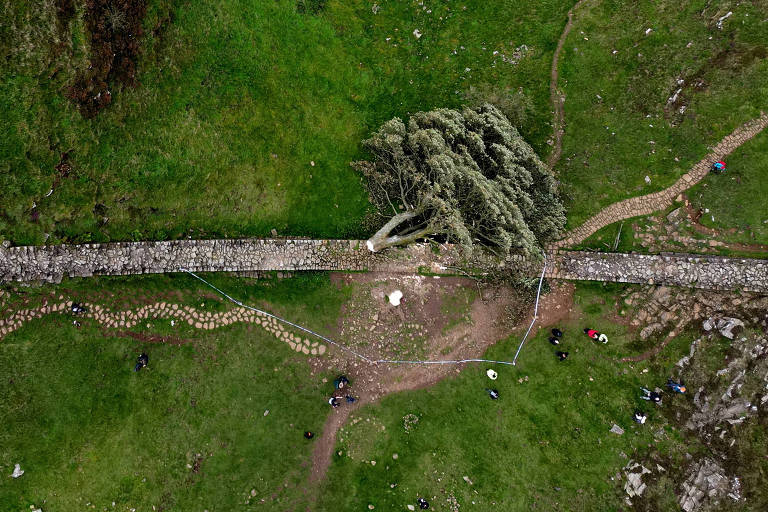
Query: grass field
[543,444]
[235,101]
[618,79]
[187,433]
[87,430]
[736,199]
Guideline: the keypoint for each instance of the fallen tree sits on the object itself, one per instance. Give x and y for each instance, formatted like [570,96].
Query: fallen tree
[466,177]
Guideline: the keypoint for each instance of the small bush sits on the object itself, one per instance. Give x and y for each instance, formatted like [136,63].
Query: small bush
[513,104]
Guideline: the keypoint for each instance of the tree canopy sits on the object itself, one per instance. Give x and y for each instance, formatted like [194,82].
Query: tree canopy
[464,176]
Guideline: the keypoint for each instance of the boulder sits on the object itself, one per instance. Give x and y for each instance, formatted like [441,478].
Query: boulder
[726,326]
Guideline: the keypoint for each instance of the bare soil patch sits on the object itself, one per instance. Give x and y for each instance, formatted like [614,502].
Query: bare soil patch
[420,327]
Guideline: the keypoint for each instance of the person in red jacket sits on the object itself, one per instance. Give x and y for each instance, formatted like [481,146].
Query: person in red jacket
[591,333]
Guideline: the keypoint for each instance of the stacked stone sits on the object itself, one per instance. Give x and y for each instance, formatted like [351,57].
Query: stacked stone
[707,272]
[52,263]
[163,310]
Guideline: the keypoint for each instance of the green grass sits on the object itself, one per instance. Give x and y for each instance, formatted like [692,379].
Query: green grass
[613,141]
[87,430]
[736,199]
[617,237]
[545,441]
[235,100]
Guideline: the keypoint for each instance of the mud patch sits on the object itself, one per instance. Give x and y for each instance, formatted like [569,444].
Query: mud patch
[150,338]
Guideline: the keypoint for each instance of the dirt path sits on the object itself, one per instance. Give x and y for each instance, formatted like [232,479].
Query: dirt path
[486,324]
[557,97]
[647,204]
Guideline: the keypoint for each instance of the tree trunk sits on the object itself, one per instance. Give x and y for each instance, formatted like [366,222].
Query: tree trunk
[382,239]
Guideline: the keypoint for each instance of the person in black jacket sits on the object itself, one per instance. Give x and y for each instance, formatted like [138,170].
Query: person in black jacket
[141,362]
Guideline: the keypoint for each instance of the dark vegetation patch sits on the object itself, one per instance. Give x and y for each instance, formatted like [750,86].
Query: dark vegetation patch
[150,338]
[729,62]
[313,7]
[115,32]
[65,11]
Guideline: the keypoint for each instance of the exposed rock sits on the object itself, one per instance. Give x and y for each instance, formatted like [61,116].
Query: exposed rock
[17,471]
[617,429]
[634,472]
[648,330]
[727,325]
[675,216]
[706,483]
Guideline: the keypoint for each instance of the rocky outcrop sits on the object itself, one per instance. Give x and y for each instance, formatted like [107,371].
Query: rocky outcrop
[717,409]
[707,482]
[633,473]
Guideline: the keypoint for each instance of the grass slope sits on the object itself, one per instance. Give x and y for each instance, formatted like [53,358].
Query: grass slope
[187,433]
[235,101]
[736,200]
[618,80]
[546,441]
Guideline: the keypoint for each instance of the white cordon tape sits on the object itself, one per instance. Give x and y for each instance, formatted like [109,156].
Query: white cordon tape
[339,345]
[535,313]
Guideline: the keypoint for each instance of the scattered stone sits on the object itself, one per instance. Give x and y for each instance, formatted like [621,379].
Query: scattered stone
[17,471]
[634,472]
[617,429]
[706,481]
[727,325]
[675,216]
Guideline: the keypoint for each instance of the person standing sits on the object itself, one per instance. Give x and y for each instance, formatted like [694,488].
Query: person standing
[677,387]
[651,396]
[591,333]
[141,362]
[718,167]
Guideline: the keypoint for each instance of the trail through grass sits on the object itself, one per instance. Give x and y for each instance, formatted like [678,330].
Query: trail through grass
[190,431]
[546,441]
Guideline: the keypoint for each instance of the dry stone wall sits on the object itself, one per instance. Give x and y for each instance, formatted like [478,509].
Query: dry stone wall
[692,271]
[53,263]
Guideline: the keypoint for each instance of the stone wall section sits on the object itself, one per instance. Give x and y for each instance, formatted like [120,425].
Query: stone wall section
[53,263]
[691,271]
